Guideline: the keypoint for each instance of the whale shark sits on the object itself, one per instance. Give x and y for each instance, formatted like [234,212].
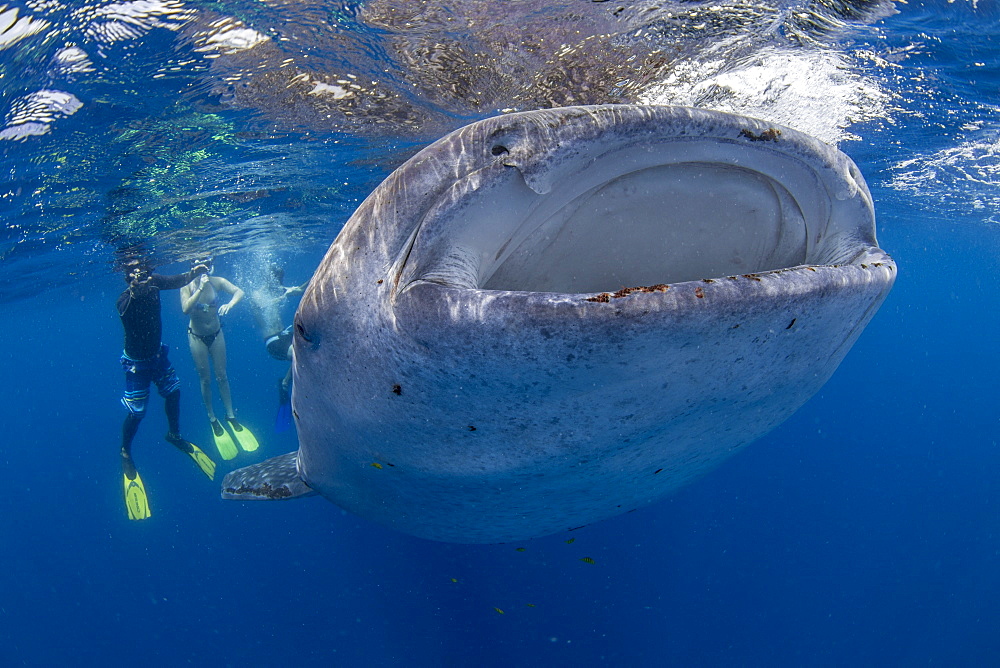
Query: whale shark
[548,318]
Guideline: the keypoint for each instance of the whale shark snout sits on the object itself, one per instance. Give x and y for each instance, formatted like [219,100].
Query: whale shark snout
[549,318]
[630,204]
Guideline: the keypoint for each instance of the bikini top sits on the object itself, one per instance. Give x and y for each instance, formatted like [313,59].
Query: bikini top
[208,306]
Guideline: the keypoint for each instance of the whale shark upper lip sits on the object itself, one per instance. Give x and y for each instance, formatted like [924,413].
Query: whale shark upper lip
[535,208]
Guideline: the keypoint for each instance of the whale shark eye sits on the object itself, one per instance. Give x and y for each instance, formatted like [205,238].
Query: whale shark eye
[499,149]
[301,332]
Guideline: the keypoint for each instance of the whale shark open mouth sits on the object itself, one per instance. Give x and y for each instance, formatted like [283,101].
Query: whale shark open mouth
[644,213]
[662,224]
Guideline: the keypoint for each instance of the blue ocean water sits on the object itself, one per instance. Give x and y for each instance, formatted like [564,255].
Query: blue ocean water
[863,531]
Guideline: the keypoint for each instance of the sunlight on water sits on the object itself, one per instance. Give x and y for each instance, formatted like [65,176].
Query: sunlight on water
[816,92]
[193,123]
[957,181]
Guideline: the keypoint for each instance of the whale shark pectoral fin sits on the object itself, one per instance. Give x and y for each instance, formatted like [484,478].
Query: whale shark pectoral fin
[275,478]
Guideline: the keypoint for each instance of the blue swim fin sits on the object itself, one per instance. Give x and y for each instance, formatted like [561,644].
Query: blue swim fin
[283,420]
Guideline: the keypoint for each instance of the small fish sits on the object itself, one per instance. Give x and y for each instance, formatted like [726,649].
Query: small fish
[587,560]
[520,549]
[499,611]
[530,605]
[454,579]
[570,541]
[376,465]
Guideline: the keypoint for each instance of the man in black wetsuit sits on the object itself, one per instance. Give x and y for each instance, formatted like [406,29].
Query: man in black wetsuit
[144,361]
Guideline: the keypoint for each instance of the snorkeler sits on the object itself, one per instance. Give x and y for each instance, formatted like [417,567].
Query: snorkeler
[200,300]
[279,346]
[144,361]
[267,301]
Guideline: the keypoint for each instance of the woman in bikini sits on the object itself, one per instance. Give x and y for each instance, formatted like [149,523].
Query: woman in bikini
[200,300]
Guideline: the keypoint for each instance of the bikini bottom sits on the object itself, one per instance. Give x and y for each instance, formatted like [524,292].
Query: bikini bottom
[207,339]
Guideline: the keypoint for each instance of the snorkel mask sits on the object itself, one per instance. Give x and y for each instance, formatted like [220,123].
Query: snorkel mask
[207,261]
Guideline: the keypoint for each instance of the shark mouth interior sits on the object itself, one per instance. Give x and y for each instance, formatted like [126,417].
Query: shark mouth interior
[661,215]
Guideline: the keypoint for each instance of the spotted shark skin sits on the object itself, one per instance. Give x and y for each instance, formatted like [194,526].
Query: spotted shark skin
[549,318]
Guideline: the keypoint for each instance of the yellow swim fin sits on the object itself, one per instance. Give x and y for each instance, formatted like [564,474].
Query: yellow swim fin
[203,461]
[135,498]
[243,436]
[223,441]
